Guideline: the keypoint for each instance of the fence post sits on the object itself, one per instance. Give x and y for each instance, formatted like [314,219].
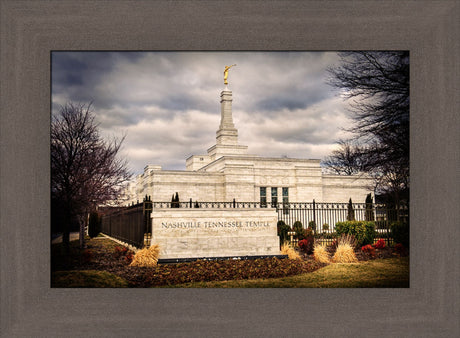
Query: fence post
[147,211]
[314,211]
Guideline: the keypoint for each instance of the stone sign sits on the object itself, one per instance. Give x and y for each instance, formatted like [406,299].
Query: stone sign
[210,233]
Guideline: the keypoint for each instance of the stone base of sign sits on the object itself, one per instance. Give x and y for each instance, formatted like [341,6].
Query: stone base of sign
[214,233]
[242,258]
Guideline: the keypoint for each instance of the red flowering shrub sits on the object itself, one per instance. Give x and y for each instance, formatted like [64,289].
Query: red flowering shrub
[380,244]
[369,249]
[399,248]
[306,245]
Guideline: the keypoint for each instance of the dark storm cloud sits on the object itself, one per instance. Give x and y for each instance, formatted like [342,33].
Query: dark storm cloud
[77,74]
[168,103]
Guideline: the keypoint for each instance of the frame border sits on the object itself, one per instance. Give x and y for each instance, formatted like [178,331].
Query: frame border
[31,29]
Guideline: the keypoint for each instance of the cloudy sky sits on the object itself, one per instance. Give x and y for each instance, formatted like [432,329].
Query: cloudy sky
[168,103]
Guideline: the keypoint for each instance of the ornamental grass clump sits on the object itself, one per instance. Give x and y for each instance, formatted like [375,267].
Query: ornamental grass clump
[147,257]
[320,254]
[345,250]
[287,249]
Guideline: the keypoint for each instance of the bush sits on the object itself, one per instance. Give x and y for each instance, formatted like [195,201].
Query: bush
[369,208]
[351,211]
[399,249]
[329,235]
[306,245]
[380,244]
[283,230]
[369,249]
[298,229]
[364,232]
[325,227]
[312,225]
[400,233]
[94,224]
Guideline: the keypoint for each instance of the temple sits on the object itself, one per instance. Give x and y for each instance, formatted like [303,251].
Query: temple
[227,172]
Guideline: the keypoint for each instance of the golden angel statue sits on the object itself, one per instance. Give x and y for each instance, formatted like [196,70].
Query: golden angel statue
[226,73]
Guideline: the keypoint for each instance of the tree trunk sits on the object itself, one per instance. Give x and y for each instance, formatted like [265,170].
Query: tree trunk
[66,231]
[83,222]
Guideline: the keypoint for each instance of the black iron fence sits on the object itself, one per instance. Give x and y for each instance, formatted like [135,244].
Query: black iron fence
[133,224]
[322,217]
[326,215]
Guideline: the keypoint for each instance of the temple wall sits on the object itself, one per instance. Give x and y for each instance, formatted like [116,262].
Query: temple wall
[342,188]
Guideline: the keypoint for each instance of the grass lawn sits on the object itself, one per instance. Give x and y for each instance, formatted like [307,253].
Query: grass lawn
[87,279]
[391,272]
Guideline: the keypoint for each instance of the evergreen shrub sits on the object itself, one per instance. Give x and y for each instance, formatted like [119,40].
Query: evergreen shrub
[400,233]
[328,235]
[283,230]
[369,208]
[364,232]
[94,224]
[312,225]
[351,211]
[299,230]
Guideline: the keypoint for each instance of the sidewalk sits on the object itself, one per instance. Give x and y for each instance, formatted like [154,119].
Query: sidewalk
[73,236]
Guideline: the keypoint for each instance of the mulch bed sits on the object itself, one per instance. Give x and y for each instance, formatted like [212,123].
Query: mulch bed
[105,255]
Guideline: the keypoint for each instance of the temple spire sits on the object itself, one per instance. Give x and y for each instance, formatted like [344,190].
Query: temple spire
[227,133]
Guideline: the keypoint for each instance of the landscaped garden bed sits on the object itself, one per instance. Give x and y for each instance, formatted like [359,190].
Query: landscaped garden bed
[106,255]
[105,260]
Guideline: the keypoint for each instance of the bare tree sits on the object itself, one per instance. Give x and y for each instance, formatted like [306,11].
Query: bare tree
[85,169]
[344,160]
[377,86]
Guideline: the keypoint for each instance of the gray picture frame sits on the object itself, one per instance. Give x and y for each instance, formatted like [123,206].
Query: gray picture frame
[30,30]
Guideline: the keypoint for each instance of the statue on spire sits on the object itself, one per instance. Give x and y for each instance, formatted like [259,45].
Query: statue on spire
[226,73]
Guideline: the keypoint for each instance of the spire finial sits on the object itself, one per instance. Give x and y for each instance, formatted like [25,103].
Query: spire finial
[226,73]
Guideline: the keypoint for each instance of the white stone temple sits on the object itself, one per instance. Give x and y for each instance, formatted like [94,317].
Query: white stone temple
[228,172]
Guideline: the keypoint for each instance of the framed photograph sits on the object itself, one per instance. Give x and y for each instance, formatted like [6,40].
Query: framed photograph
[31,32]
